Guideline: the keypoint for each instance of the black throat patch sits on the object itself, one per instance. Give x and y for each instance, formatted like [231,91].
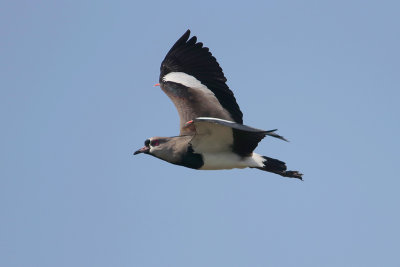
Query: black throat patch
[192,160]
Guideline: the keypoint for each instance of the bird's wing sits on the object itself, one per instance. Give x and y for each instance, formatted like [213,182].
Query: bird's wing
[195,82]
[217,135]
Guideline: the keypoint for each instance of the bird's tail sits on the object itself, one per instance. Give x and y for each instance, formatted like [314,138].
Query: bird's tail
[278,167]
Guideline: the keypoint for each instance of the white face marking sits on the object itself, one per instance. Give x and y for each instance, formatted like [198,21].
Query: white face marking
[186,80]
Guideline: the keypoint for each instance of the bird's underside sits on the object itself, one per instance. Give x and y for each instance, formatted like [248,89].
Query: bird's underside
[212,134]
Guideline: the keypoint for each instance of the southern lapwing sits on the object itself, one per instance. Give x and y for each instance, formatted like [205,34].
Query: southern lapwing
[212,135]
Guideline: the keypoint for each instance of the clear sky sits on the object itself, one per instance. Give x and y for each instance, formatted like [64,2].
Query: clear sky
[77,99]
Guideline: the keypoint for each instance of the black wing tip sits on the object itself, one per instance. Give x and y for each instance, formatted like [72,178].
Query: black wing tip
[181,41]
[186,35]
[273,134]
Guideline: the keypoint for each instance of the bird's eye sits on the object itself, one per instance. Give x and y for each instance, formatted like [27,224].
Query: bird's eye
[147,142]
[155,143]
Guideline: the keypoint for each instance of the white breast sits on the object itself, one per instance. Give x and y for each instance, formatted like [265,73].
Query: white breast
[229,160]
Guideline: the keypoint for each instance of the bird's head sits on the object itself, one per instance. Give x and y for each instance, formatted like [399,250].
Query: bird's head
[159,147]
[170,149]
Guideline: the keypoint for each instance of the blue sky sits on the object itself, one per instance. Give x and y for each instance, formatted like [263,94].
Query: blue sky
[77,99]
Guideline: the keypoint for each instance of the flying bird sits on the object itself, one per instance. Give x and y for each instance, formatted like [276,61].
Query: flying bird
[212,134]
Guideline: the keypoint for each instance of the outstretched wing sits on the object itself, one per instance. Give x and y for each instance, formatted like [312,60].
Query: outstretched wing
[191,76]
[217,135]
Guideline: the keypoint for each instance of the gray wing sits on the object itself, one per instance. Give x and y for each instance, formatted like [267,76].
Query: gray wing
[192,78]
[214,134]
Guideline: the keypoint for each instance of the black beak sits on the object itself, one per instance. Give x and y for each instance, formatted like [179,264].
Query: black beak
[144,149]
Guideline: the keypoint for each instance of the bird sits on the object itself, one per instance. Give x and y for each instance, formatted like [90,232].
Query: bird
[212,134]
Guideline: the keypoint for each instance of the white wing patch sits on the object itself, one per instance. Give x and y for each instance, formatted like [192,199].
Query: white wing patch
[216,119]
[186,80]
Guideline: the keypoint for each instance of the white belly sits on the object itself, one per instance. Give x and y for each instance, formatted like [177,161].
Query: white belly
[226,160]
